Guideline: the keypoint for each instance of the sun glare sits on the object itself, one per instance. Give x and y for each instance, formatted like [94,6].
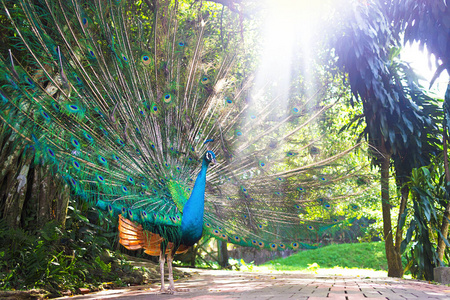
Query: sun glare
[289,27]
[425,67]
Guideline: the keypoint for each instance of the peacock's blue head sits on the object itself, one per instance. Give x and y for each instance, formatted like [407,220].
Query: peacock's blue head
[210,157]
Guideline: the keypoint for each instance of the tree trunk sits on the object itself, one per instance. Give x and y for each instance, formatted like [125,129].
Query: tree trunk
[395,268]
[194,255]
[444,225]
[62,205]
[15,175]
[223,253]
[404,190]
[30,195]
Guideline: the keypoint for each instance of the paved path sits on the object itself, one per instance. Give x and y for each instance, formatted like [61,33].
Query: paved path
[217,284]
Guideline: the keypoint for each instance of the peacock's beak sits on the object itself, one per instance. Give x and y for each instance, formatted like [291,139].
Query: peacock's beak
[213,161]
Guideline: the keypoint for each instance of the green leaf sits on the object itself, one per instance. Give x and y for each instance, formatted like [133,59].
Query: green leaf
[408,123]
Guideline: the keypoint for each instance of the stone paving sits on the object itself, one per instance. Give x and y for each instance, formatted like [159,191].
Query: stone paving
[219,284]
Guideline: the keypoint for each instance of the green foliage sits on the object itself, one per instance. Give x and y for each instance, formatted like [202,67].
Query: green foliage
[363,255]
[56,259]
[429,194]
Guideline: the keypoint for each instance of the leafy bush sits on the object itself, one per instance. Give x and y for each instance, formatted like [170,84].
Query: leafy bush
[57,260]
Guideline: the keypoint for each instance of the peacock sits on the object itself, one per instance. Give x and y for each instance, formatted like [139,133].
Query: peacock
[139,108]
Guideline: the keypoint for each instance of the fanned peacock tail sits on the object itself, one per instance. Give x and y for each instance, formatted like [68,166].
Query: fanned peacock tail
[121,106]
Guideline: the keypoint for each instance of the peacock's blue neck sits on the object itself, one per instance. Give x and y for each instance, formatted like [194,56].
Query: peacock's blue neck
[192,222]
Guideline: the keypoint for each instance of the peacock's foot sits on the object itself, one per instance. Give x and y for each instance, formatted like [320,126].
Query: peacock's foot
[169,291]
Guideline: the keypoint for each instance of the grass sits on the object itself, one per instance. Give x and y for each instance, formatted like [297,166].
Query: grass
[362,259]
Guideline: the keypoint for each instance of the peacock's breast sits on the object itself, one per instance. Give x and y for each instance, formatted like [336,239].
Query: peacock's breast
[191,230]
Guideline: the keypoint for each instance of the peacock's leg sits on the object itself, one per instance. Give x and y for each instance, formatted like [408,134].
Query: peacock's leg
[169,264]
[162,260]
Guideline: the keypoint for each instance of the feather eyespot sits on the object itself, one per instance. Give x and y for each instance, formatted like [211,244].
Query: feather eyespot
[45,115]
[56,106]
[50,152]
[205,80]
[76,165]
[146,59]
[73,108]
[75,142]
[167,98]
[91,52]
[88,136]
[85,22]
[102,160]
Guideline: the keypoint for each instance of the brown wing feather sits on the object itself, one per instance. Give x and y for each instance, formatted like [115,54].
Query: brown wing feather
[133,237]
